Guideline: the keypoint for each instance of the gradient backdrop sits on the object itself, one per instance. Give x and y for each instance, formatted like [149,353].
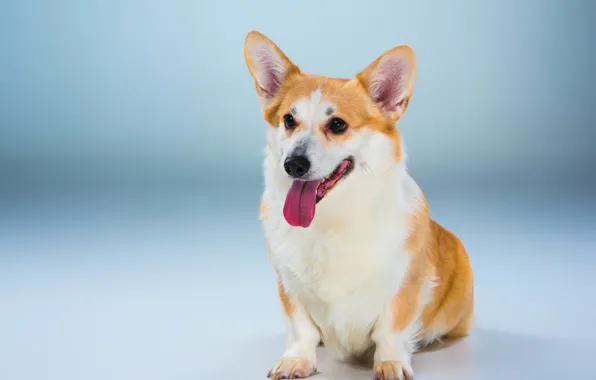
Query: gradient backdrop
[131,143]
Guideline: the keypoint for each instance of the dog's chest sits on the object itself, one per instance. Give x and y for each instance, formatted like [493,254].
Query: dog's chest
[344,276]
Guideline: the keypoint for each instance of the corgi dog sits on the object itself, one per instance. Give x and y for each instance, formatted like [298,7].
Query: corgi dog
[361,267]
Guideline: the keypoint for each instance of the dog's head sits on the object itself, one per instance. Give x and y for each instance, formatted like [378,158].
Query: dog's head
[323,129]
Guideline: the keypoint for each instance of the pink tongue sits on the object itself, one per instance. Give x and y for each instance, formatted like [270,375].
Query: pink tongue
[299,209]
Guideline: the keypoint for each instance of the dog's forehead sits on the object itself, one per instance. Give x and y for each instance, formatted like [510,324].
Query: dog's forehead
[313,108]
[315,99]
[312,97]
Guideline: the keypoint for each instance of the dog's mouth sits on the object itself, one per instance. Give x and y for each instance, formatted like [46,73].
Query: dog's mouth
[340,172]
[302,197]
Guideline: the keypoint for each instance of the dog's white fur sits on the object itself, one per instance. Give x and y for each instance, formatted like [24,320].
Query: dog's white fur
[347,265]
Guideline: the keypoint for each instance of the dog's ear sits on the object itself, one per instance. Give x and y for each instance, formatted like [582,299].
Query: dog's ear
[268,66]
[389,80]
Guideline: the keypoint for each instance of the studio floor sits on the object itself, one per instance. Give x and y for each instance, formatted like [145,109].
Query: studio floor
[174,288]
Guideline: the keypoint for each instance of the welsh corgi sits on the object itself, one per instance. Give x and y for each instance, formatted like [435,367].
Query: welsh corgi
[361,267]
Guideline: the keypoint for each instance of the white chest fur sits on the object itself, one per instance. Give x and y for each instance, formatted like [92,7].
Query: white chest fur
[345,267]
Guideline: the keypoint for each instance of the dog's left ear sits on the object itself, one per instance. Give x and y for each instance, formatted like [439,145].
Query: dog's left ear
[268,66]
[389,80]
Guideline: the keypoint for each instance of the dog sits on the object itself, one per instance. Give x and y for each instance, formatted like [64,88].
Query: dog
[361,267]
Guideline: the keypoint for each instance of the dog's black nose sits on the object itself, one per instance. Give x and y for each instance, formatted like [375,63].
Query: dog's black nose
[297,166]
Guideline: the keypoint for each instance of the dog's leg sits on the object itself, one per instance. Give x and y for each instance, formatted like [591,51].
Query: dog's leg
[393,352]
[299,358]
[396,332]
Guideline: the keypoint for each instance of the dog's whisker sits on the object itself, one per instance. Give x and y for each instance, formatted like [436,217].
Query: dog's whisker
[366,169]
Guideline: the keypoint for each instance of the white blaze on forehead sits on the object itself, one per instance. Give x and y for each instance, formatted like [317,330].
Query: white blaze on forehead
[312,110]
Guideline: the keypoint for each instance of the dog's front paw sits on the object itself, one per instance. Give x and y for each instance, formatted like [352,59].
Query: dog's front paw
[292,368]
[392,371]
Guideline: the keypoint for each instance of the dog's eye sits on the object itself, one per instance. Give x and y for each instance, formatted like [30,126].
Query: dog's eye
[337,126]
[289,121]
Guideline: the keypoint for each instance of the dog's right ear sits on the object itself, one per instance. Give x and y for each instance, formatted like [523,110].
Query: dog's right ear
[268,66]
[389,80]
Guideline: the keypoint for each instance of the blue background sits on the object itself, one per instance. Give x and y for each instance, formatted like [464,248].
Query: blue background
[131,146]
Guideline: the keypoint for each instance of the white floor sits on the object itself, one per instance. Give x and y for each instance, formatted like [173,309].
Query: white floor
[121,293]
